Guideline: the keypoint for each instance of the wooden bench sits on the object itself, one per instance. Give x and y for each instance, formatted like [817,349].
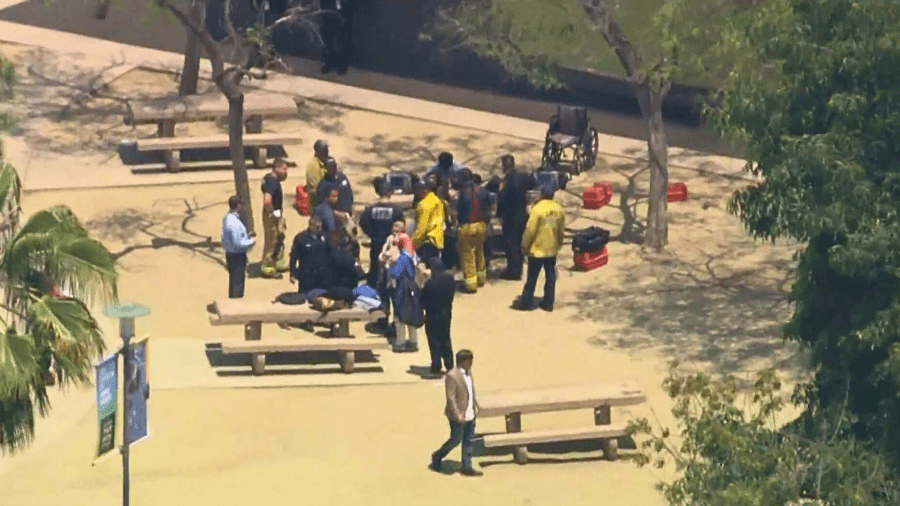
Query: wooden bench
[601,398]
[252,314]
[172,146]
[166,113]
[346,348]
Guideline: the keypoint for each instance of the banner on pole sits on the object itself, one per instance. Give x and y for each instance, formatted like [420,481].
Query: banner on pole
[137,390]
[107,403]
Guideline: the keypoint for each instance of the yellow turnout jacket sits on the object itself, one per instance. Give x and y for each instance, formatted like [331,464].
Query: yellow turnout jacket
[544,232]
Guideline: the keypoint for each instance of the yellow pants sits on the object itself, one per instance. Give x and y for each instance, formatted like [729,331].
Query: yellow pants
[273,235]
[470,243]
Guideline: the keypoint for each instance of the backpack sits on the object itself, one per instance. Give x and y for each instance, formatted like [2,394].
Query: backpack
[408,306]
[590,240]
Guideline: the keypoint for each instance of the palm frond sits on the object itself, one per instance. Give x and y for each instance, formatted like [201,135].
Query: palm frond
[66,326]
[16,423]
[55,244]
[18,364]
[10,187]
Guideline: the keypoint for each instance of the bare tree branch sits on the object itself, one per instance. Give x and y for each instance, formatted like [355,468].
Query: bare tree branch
[212,50]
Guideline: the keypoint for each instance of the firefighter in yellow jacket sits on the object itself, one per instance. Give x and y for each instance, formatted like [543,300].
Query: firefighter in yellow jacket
[541,243]
[315,172]
[429,235]
[274,226]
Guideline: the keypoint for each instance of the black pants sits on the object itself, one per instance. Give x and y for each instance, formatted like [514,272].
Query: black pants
[236,263]
[310,279]
[337,35]
[513,229]
[534,269]
[374,265]
[426,252]
[438,331]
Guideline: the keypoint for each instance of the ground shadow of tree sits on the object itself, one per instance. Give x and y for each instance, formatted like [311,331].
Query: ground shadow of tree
[137,229]
[418,153]
[696,313]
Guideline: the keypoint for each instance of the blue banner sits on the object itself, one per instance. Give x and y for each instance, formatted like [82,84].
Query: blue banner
[107,403]
[137,391]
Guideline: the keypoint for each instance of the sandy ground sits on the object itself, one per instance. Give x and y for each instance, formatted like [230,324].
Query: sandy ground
[715,300]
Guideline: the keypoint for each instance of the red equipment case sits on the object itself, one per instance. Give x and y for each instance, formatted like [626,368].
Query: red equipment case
[590,260]
[597,196]
[676,192]
[301,200]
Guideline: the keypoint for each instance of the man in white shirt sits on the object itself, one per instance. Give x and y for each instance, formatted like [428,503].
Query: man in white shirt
[462,405]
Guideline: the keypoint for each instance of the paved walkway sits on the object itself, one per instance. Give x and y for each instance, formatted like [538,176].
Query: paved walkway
[97,54]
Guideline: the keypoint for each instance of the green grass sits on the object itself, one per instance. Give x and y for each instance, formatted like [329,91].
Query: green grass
[567,37]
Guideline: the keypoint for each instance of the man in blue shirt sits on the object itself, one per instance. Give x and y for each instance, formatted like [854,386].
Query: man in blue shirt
[443,171]
[326,211]
[336,179]
[236,242]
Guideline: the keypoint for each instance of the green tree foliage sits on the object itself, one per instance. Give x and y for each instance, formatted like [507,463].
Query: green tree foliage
[733,451]
[531,39]
[49,269]
[821,125]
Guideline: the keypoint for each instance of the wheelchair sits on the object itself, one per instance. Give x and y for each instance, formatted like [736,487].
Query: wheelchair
[571,130]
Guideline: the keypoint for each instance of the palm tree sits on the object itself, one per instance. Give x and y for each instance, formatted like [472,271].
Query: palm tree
[50,269]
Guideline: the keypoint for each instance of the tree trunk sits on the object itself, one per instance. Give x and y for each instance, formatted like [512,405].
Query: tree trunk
[238,163]
[650,96]
[190,72]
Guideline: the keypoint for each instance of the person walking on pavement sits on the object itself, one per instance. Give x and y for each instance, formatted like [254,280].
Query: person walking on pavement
[541,242]
[337,34]
[512,209]
[461,409]
[315,171]
[236,243]
[310,259]
[437,300]
[429,235]
[472,212]
[377,222]
[274,226]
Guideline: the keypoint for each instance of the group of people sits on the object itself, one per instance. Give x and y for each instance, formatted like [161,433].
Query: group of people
[408,263]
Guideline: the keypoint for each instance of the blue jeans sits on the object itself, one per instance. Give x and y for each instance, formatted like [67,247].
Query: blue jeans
[459,433]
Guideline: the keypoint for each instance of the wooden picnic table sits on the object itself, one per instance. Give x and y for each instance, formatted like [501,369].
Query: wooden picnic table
[168,112]
[252,314]
[601,398]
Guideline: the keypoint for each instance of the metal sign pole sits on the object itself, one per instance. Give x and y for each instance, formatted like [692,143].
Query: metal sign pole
[126,313]
[126,332]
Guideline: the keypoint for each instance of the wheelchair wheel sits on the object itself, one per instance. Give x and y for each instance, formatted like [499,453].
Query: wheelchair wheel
[579,161]
[590,147]
[552,154]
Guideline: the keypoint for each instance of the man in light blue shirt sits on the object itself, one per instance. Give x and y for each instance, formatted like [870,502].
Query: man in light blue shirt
[236,242]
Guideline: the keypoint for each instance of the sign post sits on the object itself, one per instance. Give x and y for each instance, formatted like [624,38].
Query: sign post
[126,313]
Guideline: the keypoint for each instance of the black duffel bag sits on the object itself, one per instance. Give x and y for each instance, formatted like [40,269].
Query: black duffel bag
[590,240]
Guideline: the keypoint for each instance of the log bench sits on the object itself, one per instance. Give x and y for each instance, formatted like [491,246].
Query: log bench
[511,405]
[168,112]
[252,314]
[345,347]
[172,146]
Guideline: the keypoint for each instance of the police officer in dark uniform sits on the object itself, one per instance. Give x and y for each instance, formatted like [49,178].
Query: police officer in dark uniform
[337,31]
[376,222]
[512,209]
[311,259]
